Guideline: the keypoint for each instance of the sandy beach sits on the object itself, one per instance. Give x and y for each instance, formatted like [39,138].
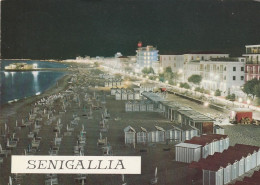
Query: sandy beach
[79,101]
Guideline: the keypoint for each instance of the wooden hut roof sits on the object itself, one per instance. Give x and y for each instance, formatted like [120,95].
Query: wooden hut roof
[129,129]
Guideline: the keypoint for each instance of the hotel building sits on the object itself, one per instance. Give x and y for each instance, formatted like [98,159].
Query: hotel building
[253,62]
[147,57]
[225,74]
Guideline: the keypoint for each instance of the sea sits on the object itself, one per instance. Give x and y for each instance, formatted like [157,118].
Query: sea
[23,84]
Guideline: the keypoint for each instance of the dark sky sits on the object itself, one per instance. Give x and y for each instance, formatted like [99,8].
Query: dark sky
[60,29]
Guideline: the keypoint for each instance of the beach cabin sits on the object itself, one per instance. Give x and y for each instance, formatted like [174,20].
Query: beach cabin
[118,95]
[149,106]
[130,95]
[156,136]
[124,94]
[137,95]
[129,106]
[136,106]
[129,135]
[173,134]
[118,82]
[142,106]
[113,91]
[202,122]
[106,83]
[141,136]
[186,152]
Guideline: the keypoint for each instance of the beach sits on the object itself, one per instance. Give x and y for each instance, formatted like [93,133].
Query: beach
[77,105]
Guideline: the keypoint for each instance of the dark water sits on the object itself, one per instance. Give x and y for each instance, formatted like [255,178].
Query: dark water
[18,85]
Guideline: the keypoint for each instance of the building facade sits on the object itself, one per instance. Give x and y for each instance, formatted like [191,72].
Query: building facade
[252,62]
[225,74]
[147,57]
[183,64]
[176,62]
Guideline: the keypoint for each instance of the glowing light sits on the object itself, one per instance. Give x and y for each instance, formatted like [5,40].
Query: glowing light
[180,71]
[166,81]
[178,84]
[206,104]
[35,66]
[248,101]
[240,100]
[6,74]
[157,79]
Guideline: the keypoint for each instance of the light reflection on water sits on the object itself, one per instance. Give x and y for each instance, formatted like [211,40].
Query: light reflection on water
[17,85]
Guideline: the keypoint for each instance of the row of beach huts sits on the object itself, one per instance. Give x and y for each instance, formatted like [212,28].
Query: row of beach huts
[218,162]
[158,134]
[125,94]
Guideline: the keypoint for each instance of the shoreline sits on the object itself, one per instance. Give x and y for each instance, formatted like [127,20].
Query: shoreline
[9,109]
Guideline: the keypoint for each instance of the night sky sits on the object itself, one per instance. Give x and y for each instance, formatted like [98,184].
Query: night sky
[61,29]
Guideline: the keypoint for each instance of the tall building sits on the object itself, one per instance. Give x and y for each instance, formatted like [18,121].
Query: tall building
[147,57]
[253,62]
